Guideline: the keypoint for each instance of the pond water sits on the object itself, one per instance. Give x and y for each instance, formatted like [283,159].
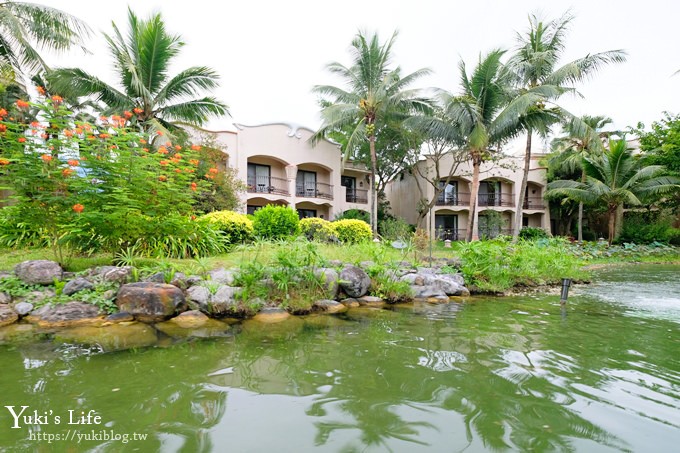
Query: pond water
[486,374]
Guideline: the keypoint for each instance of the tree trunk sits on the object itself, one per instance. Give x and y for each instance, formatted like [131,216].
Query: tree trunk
[374,195]
[522,188]
[612,223]
[580,211]
[472,232]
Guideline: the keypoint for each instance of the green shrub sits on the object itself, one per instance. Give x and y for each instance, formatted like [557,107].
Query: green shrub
[356,214]
[352,230]
[238,228]
[394,229]
[532,233]
[639,230]
[276,222]
[673,235]
[316,229]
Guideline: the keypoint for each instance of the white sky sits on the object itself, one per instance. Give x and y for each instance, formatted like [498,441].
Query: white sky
[270,53]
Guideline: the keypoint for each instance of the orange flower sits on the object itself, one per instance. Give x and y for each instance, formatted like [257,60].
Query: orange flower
[137,110]
[40,90]
[177,156]
[193,217]
[22,104]
[193,186]
[46,158]
[190,170]
[68,133]
[21,139]
[142,141]
[213,170]
[78,130]
[177,170]
[127,114]
[162,150]
[44,136]
[78,208]
[66,172]
[57,99]
[73,163]
[178,148]
[104,119]
[193,162]
[164,162]
[35,124]
[146,150]
[4,161]
[196,147]
[104,135]
[209,176]
[3,128]
[160,133]
[168,144]
[162,178]
[90,137]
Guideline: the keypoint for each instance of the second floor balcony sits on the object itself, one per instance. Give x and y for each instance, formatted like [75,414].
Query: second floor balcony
[453,199]
[267,184]
[356,195]
[496,199]
[533,203]
[314,190]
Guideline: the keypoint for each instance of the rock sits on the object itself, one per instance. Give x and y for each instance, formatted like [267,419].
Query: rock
[113,337]
[425,292]
[190,319]
[158,277]
[271,315]
[179,280]
[413,279]
[193,280]
[121,316]
[38,296]
[335,263]
[150,302]
[117,274]
[329,306]
[38,272]
[109,294]
[354,281]
[371,301]
[350,302]
[7,315]
[75,285]
[199,296]
[70,314]
[224,303]
[23,308]
[222,276]
[5,298]
[366,264]
[329,280]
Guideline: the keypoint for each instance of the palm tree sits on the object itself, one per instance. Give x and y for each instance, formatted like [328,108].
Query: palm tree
[482,117]
[375,95]
[577,144]
[535,64]
[26,27]
[615,178]
[142,60]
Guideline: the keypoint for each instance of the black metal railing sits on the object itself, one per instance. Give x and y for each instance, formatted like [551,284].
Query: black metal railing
[490,233]
[267,184]
[314,190]
[356,195]
[495,199]
[450,234]
[533,203]
[453,199]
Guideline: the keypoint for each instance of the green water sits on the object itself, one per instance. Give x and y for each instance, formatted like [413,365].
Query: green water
[503,374]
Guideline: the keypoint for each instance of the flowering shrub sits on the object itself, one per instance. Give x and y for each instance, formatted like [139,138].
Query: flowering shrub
[316,229]
[82,185]
[276,222]
[352,230]
[238,228]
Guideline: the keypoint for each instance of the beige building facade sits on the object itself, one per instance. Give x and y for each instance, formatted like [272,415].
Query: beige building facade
[497,201]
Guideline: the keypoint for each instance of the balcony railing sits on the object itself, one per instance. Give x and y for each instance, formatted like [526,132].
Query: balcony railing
[453,199]
[267,184]
[449,234]
[490,233]
[314,190]
[533,203]
[356,196]
[496,199]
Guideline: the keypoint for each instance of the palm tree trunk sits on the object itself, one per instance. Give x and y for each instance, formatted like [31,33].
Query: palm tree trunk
[580,211]
[374,195]
[612,223]
[522,187]
[472,232]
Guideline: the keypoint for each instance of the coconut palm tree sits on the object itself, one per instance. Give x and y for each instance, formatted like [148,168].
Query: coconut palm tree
[27,27]
[482,117]
[615,178]
[578,143]
[142,60]
[374,96]
[535,63]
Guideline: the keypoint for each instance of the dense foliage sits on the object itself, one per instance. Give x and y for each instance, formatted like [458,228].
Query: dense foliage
[238,228]
[352,231]
[276,222]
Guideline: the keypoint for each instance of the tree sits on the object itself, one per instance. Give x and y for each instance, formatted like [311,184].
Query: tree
[27,27]
[615,178]
[142,60]
[535,64]
[577,144]
[375,96]
[482,117]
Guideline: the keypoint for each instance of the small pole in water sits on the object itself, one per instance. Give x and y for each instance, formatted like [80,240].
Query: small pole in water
[566,282]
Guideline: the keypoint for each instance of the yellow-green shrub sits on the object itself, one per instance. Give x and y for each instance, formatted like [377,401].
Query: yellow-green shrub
[237,227]
[352,230]
[316,229]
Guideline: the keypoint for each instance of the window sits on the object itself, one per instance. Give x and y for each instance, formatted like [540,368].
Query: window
[446,227]
[259,178]
[250,209]
[305,213]
[490,193]
[306,184]
[450,193]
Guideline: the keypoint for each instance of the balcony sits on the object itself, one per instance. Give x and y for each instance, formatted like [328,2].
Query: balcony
[267,184]
[453,199]
[314,190]
[533,203]
[356,196]
[496,199]
[490,233]
[449,234]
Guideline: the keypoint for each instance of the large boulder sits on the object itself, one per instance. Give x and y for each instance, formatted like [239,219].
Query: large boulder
[329,306]
[329,280]
[190,319]
[7,315]
[224,303]
[222,276]
[75,285]
[150,302]
[70,314]
[23,308]
[354,281]
[198,297]
[38,272]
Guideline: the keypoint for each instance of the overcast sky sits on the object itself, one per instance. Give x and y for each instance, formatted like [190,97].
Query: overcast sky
[270,53]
